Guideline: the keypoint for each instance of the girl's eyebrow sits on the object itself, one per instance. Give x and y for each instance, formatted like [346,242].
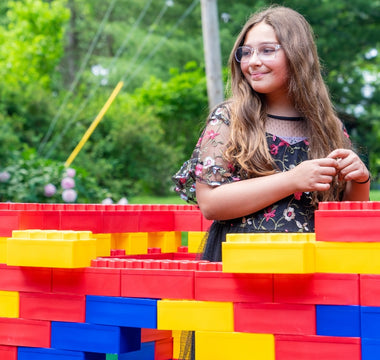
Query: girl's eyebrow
[264,43]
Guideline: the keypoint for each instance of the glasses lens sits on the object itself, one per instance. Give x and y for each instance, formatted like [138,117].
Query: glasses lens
[243,53]
[267,52]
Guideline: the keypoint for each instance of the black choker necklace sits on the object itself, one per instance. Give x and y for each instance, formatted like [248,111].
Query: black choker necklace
[287,118]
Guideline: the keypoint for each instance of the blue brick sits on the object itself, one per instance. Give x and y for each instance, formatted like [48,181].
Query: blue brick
[26,353]
[103,339]
[120,311]
[147,352]
[370,316]
[338,320]
[370,349]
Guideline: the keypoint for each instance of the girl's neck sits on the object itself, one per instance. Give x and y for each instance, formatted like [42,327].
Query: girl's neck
[282,107]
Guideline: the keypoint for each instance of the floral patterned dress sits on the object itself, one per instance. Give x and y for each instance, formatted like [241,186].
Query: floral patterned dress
[294,213]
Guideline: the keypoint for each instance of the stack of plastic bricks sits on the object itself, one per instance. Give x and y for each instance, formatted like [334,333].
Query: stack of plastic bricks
[83,281]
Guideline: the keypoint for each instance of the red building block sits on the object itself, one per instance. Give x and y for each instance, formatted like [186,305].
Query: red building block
[18,278]
[121,221]
[347,226]
[23,332]
[149,335]
[87,281]
[157,283]
[275,318]
[39,219]
[163,349]
[328,289]
[78,220]
[188,219]
[8,352]
[289,347]
[9,221]
[153,221]
[219,286]
[54,307]
[369,290]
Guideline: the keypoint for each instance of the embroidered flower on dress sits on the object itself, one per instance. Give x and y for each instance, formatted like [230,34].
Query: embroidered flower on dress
[302,226]
[274,149]
[269,213]
[198,169]
[211,134]
[209,161]
[289,214]
[298,195]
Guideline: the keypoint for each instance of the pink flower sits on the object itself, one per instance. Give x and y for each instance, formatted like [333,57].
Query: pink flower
[107,201]
[298,195]
[68,183]
[274,149]
[70,172]
[69,195]
[282,143]
[269,213]
[49,190]
[212,134]
[4,176]
[198,169]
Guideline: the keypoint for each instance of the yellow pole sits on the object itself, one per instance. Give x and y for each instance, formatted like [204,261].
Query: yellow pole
[94,124]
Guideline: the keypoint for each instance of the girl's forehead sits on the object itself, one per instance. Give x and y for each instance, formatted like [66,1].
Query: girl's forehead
[261,33]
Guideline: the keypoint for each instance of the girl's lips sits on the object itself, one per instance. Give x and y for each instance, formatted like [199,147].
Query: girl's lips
[257,76]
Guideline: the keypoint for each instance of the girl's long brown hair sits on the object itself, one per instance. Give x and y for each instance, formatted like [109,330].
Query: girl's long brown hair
[248,147]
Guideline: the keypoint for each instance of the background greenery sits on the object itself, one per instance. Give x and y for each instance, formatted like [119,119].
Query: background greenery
[61,59]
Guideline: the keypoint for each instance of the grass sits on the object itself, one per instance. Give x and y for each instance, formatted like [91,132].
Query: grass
[175,199]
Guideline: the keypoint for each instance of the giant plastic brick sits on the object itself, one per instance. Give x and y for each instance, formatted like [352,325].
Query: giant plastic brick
[25,353]
[120,311]
[167,241]
[94,338]
[317,288]
[8,352]
[275,318]
[220,286]
[370,349]
[146,353]
[349,257]
[60,249]
[338,320]
[195,240]
[268,253]
[348,221]
[302,347]
[132,243]
[194,315]
[3,250]
[9,304]
[24,332]
[232,345]
[370,321]
[52,306]
[370,290]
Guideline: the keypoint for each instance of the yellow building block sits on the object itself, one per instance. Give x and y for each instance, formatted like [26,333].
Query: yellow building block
[232,345]
[133,243]
[194,315]
[168,241]
[269,253]
[3,250]
[195,240]
[9,304]
[347,257]
[103,244]
[51,248]
[180,337]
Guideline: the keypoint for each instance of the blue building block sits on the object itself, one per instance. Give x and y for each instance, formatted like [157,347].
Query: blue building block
[370,349]
[27,353]
[94,338]
[121,311]
[147,352]
[370,320]
[338,320]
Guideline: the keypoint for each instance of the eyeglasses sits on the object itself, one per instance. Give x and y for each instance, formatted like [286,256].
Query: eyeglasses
[264,52]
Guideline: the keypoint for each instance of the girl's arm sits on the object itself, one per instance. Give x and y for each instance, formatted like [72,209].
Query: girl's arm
[245,197]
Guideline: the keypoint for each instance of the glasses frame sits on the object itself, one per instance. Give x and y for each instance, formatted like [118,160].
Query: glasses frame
[255,50]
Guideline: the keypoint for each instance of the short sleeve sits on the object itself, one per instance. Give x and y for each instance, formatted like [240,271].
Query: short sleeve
[207,163]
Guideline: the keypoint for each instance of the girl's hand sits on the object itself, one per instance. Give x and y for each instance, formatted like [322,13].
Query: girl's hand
[350,167]
[315,175]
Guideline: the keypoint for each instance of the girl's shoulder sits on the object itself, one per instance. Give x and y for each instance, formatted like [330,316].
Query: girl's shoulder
[221,112]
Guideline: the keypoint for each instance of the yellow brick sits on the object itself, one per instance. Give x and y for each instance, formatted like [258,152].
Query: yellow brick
[270,237]
[168,241]
[179,337]
[194,315]
[103,244]
[268,257]
[3,250]
[347,257]
[232,345]
[58,253]
[195,240]
[9,304]
[133,243]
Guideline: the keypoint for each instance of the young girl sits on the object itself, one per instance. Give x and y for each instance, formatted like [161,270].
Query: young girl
[276,148]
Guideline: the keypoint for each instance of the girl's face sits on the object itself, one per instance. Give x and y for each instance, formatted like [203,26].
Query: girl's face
[268,77]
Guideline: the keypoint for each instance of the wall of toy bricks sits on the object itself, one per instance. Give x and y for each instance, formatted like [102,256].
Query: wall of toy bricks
[88,281]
